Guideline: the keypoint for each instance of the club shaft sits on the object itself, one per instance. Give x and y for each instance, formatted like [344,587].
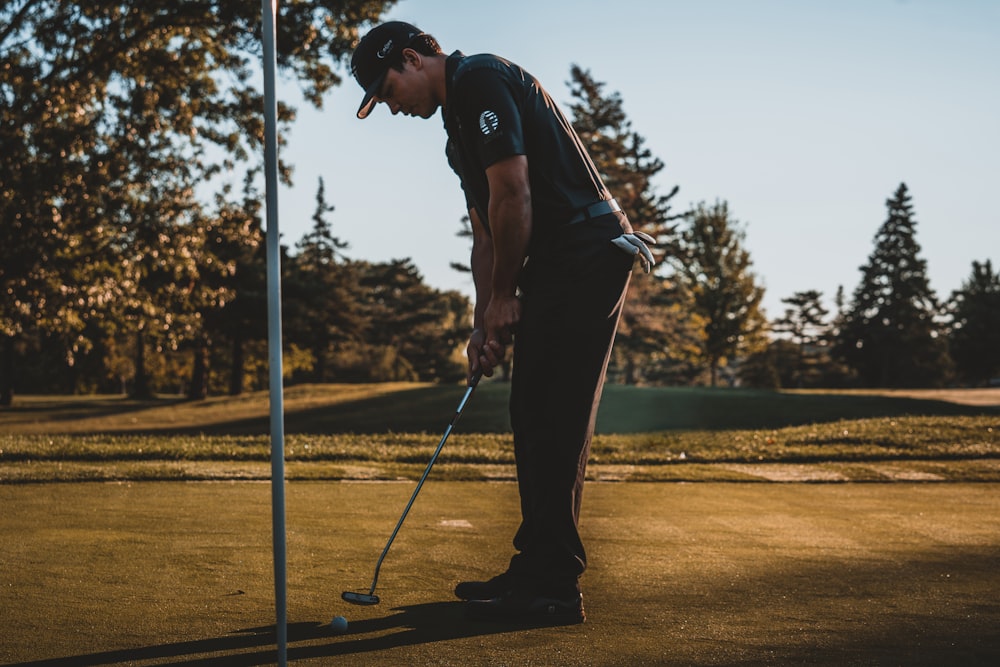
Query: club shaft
[427,471]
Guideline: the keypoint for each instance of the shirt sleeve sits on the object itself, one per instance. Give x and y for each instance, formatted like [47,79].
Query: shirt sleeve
[489,115]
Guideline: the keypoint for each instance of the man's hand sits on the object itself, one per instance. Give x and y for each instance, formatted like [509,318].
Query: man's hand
[635,244]
[482,358]
[487,349]
[501,318]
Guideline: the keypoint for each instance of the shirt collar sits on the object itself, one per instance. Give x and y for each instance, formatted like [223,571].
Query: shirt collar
[451,65]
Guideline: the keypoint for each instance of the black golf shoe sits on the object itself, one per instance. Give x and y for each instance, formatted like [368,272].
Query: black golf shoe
[523,607]
[484,590]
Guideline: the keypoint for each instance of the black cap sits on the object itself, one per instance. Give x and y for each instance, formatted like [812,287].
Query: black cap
[376,52]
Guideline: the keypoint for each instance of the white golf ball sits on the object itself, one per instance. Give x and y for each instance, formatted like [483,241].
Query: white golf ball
[339,624]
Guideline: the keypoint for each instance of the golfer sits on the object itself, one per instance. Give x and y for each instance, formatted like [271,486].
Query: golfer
[551,258]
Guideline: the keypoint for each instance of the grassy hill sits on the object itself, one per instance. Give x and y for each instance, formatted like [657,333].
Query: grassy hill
[388,431]
[423,408]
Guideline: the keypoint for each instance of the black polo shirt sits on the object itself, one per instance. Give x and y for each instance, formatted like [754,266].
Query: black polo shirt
[495,110]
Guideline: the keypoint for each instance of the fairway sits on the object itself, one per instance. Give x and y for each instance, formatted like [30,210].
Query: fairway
[681,574]
[139,533]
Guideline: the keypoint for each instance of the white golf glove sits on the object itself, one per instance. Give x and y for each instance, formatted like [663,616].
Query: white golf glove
[635,244]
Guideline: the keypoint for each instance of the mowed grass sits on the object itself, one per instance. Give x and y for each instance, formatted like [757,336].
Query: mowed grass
[389,431]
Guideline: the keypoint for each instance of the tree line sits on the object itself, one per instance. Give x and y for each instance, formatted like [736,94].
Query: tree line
[116,276]
[894,331]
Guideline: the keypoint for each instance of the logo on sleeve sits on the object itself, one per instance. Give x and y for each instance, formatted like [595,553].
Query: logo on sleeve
[488,123]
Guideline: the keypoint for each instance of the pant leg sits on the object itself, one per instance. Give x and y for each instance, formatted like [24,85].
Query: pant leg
[571,309]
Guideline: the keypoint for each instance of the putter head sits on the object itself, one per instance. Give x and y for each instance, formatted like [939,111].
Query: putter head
[359,598]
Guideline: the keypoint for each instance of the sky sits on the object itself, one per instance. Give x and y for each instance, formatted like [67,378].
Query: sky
[803,115]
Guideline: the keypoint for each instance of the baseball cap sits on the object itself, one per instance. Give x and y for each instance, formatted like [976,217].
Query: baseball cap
[375,53]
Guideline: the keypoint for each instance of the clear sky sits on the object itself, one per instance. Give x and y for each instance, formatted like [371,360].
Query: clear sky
[804,115]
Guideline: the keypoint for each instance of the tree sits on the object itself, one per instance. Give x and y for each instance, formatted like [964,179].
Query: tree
[53,225]
[419,330]
[102,105]
[235,265]
[713,264]
[772,367]
[804,323]
[975,325]
[657,333]
[889,335]
[323,290]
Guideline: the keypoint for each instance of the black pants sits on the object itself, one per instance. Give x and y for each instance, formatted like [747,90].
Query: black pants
[572,297]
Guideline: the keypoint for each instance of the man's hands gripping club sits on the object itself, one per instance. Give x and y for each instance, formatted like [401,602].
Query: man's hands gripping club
[488,348]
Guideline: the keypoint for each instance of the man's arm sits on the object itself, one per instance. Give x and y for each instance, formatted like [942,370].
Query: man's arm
[510,223]
[482,278]
[497,258]
[510,227]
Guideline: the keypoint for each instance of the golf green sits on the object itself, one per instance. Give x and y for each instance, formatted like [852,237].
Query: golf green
[680,574]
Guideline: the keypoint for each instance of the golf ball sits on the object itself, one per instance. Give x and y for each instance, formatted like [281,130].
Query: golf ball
[339,624]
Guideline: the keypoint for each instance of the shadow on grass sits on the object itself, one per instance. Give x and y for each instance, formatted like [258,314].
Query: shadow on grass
[624,409]
[70,409]
[408,626]
[637,410]
[790,613]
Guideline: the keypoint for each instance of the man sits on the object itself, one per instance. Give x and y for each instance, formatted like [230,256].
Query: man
[551,259]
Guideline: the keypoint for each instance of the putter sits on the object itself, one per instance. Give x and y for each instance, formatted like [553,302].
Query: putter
[370,598]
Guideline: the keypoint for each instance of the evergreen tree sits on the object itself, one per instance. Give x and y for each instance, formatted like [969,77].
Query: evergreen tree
[975,326]
[773,367]
[713,264]
[804,324]
[889,335]
[464,233]
[322,293]
[418,332]
[657,333]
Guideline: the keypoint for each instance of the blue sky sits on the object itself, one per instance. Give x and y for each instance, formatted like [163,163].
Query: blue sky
[804,115]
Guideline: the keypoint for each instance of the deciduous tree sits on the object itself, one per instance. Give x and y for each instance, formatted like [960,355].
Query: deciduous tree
[105,106]
[715,266]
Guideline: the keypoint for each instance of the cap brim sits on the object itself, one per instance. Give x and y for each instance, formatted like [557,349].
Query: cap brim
[368,101]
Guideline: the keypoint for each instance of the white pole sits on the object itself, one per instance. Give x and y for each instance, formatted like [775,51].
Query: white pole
[270,12]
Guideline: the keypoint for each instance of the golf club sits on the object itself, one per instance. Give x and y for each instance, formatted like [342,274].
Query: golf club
[370,598]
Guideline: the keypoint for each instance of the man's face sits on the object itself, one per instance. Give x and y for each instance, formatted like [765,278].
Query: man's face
[408,91]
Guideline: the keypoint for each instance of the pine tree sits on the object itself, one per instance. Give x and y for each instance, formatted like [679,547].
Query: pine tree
[417,332]
[657,335]
[804,323]
[889,335]
[322,292]
[715,267]
[975,326]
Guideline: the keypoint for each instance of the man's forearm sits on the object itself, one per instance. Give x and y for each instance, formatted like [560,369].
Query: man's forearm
[482,277]
[482,268]
[510,222]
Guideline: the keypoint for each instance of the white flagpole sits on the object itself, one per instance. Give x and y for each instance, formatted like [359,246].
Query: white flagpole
[270,12]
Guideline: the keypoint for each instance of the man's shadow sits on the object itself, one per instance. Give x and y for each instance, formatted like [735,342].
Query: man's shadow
[413,625]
